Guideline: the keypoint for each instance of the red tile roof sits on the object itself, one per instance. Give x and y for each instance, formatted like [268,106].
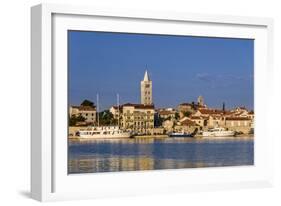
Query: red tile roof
[211,111]
[138,106]
[85,108]
[188,122]
[243,108]
[199,117]
[237,118]
[214,112]
[185,104]
[166,112]
[195,117]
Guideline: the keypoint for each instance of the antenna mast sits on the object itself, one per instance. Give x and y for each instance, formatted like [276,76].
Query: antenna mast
[118,110]
[98,110]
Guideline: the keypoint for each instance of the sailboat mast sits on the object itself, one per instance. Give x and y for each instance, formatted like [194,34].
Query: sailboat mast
[98,110]
[118,110]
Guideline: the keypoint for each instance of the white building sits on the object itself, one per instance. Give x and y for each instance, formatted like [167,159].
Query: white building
[114,110]
[88,112]
[138,118]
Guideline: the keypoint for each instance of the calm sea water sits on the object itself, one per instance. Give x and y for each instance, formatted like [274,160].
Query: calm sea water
[153,154]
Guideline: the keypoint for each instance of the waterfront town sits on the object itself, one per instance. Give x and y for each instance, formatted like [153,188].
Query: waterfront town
[144,118]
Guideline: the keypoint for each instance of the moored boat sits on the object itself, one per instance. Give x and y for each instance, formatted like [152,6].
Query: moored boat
[218,132]
[180,134]
[105,132]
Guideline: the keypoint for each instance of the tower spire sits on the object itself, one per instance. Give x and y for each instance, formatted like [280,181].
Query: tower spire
[146,90]
[146,77]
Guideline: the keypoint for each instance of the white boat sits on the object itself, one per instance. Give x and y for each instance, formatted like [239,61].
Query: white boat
[106,132]
[218,132]
[180,134]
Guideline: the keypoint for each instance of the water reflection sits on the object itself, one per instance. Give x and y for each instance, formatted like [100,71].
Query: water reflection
[151,154]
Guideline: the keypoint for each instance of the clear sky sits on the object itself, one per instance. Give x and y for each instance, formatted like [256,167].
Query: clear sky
[181,68]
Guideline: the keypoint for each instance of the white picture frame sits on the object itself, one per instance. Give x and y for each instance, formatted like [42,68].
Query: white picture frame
[49,179]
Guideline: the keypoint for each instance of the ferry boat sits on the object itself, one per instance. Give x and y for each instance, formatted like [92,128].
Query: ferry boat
[180,134]
[106,132]
[218,132]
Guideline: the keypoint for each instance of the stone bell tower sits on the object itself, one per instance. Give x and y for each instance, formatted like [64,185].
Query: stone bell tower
[200,101]
[146,90]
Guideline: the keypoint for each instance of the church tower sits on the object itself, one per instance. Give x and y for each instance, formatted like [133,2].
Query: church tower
[146,90]
[200,101]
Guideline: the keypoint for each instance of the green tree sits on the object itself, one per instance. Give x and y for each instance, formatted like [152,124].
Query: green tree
[106,118]
[158,121]
[73,120]
[187,113]
[87,103]
[177,115]
[193,105]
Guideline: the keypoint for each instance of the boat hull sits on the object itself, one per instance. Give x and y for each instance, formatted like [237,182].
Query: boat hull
[181,135]
[219,134]
[101,136]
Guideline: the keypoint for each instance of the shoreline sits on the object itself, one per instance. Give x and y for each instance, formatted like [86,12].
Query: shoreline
[242,136]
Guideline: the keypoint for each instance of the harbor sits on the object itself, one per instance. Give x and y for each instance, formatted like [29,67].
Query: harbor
[74,137]
[173,114]
[144,119]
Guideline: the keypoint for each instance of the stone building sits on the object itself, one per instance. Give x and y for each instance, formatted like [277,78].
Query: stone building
[251,114]
[185,107]
[167,114]
[239,124]
[187,125]
[239,119]
[191,108]
[88,112]
[114,110]
[146,90]
[210,112]
[209,118]
[200,121]
[138,118]
[168,125]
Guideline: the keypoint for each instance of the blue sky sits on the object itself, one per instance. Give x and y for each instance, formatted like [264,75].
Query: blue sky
[180,67]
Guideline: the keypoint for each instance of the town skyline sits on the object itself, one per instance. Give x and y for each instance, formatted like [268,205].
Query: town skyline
[171,87]
[146,76]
